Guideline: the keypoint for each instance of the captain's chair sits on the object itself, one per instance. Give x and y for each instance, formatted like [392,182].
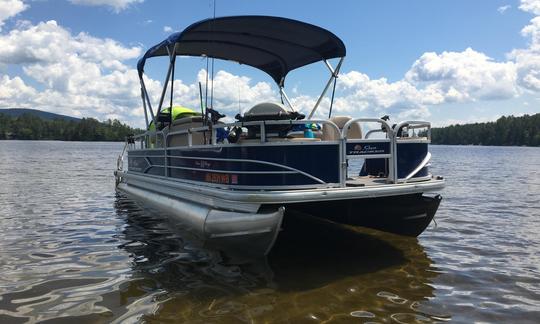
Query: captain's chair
[329,133]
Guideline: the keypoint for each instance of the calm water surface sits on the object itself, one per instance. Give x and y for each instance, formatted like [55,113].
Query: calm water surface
[71,250]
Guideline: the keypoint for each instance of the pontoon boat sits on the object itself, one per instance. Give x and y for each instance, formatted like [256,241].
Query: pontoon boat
[236,182]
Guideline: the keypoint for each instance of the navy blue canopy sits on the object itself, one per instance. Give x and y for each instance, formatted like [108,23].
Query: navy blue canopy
[274,45]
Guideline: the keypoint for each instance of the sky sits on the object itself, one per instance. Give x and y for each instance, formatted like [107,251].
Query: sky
[446,61]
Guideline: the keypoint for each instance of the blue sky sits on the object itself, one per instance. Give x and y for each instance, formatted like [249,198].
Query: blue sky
[444,61]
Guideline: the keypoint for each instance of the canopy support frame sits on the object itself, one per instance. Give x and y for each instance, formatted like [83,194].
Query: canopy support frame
[144,108]
[333,75]
[172,56]
[147,97]
[284,96]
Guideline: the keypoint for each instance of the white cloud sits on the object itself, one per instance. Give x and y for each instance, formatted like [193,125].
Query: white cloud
[76,74]
[532,6]
[83,75]
[116,5]
[433,79]
[12,91]
[528,68]
[438,78]
[167,29]
[464,76]
[502,9]
[231,92]
[527,60]
[10,8]
[48,42]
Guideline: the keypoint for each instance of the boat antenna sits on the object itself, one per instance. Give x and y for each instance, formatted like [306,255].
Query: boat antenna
[212,79]
[206,85]
[202,110]
[200,97]
[172,88]
[238,88]
[212,86]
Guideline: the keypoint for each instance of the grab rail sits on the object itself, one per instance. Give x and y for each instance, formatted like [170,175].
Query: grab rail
[392,175]
[422,164]
[120,160]
[147,137]
[414,124]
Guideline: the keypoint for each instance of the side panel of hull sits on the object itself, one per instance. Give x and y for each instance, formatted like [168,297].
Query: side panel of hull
[243,165]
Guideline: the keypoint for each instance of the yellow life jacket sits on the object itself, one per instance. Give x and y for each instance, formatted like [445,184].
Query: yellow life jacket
[177,113]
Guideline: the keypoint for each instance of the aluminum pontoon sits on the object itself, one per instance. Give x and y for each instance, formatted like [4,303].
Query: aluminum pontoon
[236,182]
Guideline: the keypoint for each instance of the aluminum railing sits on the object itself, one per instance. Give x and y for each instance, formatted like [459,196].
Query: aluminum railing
[151,140]
[400,138]
[261,124]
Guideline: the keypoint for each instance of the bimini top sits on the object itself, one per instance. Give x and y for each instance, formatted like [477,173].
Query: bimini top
[274,45]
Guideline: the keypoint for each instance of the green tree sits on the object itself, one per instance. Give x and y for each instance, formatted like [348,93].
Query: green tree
[507,130]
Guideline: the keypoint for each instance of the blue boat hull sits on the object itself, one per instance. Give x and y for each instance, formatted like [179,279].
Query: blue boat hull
[243,166]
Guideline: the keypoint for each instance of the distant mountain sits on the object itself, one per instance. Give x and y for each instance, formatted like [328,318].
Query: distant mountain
[16,112]
[31,124]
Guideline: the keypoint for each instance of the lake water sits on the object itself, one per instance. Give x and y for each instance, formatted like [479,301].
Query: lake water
[71,250]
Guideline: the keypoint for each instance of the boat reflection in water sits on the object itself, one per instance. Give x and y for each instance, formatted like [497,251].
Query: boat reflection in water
[317,271]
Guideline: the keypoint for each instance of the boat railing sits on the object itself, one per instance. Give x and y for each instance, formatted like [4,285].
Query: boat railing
[406,126]
[261,124]
[148,139]
[349,148]
[263,137]
[367,148]
[402,136]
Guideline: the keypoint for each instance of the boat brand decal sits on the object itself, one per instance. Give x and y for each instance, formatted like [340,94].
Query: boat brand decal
[203,164]
[368,148]
[138,164]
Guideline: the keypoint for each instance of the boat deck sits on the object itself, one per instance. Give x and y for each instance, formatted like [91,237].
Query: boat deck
[366,181]
[371,181]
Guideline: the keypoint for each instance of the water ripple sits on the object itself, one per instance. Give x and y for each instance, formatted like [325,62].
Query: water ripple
[74,251]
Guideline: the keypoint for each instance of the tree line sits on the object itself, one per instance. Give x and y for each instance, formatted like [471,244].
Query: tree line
[31,127]
[510,130]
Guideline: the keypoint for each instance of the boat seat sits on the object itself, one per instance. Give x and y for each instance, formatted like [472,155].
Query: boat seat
[300,134]
[293,139]
[187,120]
[278,139]
[413,138]
[304,139]
[330,134]
[185,123]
